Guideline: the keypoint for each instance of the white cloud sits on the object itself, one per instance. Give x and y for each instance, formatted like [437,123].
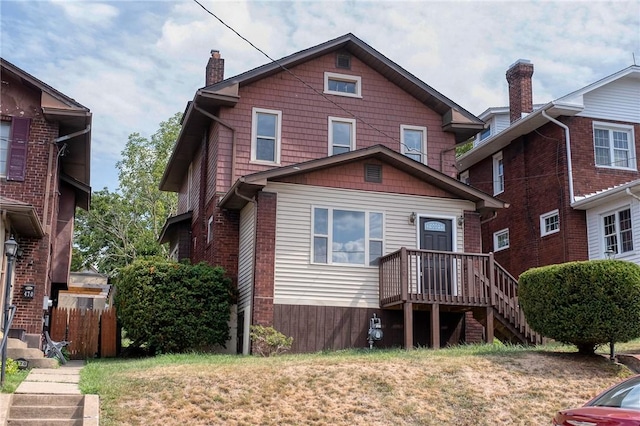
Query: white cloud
[135,63]
[88,12]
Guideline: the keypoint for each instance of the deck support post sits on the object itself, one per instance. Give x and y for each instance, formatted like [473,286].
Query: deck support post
[408,325]
[489,331]
[435,326]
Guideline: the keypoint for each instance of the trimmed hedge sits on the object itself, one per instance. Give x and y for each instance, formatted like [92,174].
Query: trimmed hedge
[583,303]
[171,307]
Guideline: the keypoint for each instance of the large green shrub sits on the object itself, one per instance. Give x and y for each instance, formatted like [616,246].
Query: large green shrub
[583,303]
[174,307]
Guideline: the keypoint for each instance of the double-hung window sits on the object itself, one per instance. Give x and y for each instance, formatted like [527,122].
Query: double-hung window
[549,223]
[413,142]
[501,240]
[614,146]
[342,135]
[350,237]
[265,135]
[342,85]
[5,131]
[498,174]
[618,231]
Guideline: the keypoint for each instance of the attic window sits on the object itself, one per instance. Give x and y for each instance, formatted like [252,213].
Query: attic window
[373,173]
[342,85]
[343,60]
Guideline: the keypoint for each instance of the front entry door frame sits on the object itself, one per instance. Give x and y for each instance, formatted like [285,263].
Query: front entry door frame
[454,239]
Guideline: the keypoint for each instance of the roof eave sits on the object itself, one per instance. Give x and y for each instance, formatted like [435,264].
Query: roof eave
[521,127]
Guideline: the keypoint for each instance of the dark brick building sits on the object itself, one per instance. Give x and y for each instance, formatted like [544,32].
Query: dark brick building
[44,175]
[569,171]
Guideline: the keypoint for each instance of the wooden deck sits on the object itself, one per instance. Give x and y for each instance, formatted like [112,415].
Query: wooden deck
[448,280]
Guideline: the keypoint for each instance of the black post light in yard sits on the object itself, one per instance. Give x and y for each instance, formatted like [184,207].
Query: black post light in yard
[10,250]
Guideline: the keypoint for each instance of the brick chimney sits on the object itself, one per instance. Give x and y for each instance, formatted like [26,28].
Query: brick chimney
[215,68]
[520,92]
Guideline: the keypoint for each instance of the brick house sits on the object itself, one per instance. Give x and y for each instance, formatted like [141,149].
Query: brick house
[568,169]
[44,175]
[325,185]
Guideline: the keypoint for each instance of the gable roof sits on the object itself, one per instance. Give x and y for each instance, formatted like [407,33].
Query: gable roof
[455,119]
[567,105]
[74,120]
[247,186]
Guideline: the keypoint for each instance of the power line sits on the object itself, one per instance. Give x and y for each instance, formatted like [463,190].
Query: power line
[307,84]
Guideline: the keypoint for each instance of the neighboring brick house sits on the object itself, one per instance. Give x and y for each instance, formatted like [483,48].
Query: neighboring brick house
[315,182]
[569,171]
[44,175]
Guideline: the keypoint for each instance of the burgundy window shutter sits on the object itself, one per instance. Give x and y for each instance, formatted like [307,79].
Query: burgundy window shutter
[19,140]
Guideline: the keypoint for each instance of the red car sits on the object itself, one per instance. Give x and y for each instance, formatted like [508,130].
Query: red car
[617,406]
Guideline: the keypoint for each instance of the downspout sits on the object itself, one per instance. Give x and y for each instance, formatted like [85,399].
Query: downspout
[567,139]
[233,139]
[253,260]
[628,191]
[50,167]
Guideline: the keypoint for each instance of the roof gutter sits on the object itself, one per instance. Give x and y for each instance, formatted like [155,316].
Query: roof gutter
[567,141]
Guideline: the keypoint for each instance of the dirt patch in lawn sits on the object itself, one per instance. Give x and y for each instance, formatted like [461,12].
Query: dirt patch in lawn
[421,388]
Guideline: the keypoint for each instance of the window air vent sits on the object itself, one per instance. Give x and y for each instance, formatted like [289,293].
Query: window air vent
[373,173]
[343,61]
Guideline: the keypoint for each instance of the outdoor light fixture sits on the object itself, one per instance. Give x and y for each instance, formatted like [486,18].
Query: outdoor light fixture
[375,330]
[412,217]
[610,253]
[10,250]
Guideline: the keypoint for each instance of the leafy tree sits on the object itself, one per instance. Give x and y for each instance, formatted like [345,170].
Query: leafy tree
[171,307]
[124,225]
[583,303]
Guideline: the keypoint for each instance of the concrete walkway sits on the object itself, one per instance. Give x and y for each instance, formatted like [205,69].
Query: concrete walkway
[47,381]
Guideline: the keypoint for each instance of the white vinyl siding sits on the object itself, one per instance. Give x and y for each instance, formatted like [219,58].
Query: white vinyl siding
[300,281]
[617,100]
[245,257]
[596,232]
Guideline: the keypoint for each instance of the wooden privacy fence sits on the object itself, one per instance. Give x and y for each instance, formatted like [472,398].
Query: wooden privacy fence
[91,333]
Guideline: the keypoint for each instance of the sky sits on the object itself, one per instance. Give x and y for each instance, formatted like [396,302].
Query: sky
[136,63]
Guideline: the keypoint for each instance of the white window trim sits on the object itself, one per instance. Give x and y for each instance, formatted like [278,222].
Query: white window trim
[632,146]
[329,236]
[330,131]
[403,147]
[7,125]
[464,177]
[496,159]
[209,229]
[343,77]
[495,239]
[603,241]
[254,135]
[543,225]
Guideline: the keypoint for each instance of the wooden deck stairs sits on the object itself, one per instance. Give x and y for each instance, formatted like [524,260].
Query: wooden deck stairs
[456,282]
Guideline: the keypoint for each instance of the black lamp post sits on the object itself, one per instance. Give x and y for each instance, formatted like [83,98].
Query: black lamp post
[10,250]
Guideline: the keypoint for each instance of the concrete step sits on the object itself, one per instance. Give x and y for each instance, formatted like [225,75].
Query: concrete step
[15,343]
[43,410]
[44,422]
[15,353]
[50,400]
[43,363]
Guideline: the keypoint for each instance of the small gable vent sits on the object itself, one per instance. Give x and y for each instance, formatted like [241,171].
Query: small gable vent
[373,173]
[343,61]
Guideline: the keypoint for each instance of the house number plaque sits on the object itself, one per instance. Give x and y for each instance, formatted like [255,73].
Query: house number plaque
[28,291]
